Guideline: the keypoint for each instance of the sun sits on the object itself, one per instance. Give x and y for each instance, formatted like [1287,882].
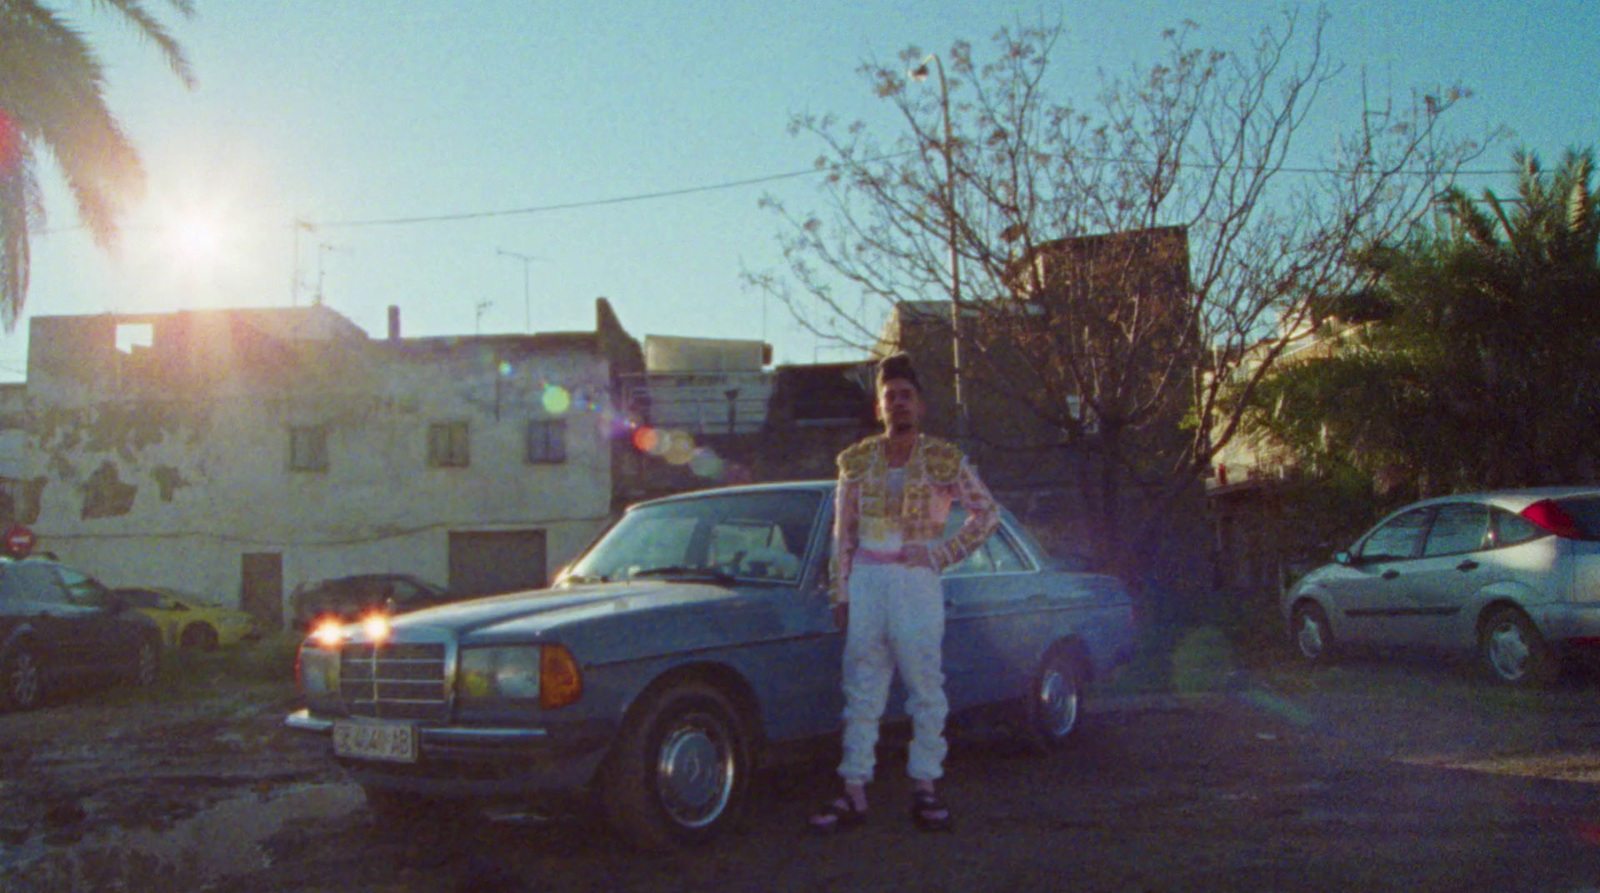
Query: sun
[195,237]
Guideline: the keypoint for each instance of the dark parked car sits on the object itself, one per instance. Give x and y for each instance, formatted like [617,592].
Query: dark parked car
[351,598]
[61,627]
[692,643]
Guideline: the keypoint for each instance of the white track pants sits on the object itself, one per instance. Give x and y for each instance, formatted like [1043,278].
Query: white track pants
[896,621]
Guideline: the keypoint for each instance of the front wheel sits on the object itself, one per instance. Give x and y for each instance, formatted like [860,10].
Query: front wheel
[1053,710]
[1513,652]
[21,679]
[1310,633]
[679,771]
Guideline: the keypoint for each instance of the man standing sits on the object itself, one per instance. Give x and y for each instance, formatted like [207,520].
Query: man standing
[894,496]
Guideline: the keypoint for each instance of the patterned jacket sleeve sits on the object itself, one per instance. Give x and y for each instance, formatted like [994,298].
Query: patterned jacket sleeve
[846,537]
[983,515]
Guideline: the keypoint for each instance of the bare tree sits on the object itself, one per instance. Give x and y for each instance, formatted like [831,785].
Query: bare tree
[1119,266]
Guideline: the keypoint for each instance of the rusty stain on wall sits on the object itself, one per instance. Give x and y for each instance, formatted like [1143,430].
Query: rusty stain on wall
[104,493]
[169,479]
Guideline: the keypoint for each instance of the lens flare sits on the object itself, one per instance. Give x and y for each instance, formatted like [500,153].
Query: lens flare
[645,439]
[556,400]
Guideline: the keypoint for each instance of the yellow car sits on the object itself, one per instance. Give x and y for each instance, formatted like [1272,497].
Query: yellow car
[188,622]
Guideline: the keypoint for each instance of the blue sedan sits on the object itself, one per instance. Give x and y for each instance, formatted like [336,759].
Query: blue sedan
[691,644]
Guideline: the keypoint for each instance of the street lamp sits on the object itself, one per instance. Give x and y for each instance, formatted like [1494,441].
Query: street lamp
[527,304]
[920,73]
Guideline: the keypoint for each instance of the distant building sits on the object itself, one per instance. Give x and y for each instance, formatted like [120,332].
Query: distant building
[239,453]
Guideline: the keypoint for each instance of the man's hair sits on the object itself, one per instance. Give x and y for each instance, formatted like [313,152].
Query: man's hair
[898,366]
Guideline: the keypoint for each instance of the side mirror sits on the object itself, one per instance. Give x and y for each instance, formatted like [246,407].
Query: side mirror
[1346,559]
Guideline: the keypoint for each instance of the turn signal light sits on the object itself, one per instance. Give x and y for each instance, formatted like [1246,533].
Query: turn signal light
[560,681]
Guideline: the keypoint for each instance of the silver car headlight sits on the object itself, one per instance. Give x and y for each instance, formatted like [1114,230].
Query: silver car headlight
[499,673]
[318,670]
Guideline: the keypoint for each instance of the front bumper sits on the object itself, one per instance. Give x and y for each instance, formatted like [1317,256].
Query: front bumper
[481,762]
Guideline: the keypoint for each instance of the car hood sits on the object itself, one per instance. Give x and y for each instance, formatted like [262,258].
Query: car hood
[521,616]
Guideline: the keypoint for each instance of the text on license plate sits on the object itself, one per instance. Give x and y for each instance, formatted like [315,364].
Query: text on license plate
[376,741]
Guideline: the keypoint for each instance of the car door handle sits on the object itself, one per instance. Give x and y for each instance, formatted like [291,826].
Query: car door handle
[1468,565]
[1390,574]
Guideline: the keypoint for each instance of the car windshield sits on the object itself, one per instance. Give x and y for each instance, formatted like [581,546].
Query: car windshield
[744,536]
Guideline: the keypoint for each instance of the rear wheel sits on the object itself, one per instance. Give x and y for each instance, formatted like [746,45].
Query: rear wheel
[679,771]
[1053,710]
[198,637]
[22,679]
[1512,650]
[1310,633]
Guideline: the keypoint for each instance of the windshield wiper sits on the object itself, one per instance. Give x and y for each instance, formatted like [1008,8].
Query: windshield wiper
[679,570]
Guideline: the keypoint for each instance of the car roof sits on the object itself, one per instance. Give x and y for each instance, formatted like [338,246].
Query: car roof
[1514,499]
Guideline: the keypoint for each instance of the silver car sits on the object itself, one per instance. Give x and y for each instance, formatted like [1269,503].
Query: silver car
[1513,575]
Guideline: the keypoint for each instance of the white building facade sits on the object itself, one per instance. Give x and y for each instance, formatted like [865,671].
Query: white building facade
[238,454]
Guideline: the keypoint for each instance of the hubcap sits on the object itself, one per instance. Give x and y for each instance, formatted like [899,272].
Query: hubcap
[148,664]
[1509,651]
[23,680]
[1309,636]
[1058,703]
[695,772]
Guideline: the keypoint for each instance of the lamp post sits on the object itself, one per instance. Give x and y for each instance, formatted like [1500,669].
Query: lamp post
[527,303]
[946,147]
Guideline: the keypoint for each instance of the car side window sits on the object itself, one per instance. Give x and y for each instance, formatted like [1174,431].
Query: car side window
[10,584]
[997,554]
[39,583]
[1458,527]
[404,592]
[82,589]
[1396,538]
[1004,553]
[1510,529]
[978,562]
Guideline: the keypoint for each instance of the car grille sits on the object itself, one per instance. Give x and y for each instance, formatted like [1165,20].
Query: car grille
[399,680]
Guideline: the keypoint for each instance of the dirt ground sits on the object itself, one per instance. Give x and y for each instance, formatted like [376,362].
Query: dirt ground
[1378,776]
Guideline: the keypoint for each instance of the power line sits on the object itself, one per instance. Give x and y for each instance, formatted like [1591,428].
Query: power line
[730,184]
[567,206]
[736,184]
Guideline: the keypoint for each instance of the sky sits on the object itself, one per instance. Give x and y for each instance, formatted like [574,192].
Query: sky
[495,166]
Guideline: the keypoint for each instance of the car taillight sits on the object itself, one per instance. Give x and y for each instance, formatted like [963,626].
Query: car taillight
[1548,516]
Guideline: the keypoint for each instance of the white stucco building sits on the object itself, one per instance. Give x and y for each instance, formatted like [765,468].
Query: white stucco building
[240,453]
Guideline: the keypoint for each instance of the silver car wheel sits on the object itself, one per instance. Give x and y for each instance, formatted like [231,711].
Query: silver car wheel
[1058,701]
[695,771]
[1312,638]
[1508,651]
[1513,651]
[23,680]
[147,664]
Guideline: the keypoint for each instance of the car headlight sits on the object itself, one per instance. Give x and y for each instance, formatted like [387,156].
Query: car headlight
[506,673]
[546,673]
[317,668]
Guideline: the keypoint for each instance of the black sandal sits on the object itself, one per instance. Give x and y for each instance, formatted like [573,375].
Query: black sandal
[928,812]
[840,815]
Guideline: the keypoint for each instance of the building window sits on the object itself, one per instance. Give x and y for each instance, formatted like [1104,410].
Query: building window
[308,448]
[547,441]
[447,445]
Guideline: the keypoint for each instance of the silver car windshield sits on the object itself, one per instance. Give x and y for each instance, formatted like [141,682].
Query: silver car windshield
[742,536]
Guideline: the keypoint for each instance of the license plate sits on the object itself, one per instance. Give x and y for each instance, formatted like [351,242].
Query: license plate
[392,741]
